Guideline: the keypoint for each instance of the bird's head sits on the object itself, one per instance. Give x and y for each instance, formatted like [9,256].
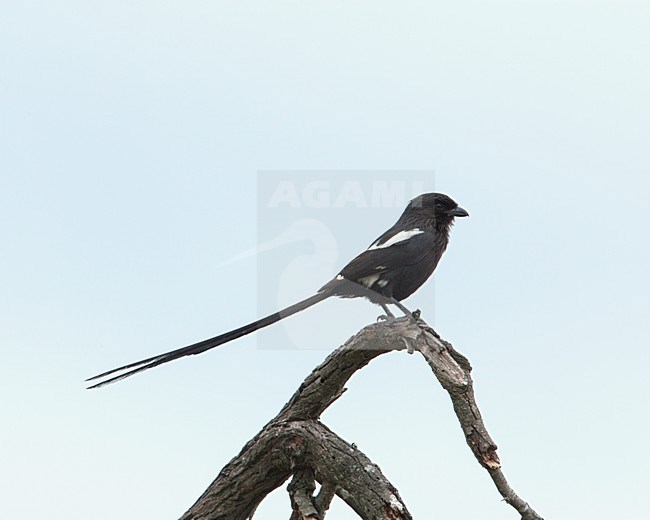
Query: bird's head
[435,206]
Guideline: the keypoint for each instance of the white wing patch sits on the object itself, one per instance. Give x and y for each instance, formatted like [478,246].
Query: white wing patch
[369,281]
[400,237]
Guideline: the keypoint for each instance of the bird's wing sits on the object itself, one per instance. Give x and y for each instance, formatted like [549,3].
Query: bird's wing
[390,251]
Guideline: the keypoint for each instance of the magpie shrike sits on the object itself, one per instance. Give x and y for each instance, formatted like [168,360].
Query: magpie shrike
[392,268]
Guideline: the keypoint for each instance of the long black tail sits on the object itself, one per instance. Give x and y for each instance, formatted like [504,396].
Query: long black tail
[202,346]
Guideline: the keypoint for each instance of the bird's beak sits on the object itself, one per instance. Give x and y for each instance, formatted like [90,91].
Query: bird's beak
[458,212]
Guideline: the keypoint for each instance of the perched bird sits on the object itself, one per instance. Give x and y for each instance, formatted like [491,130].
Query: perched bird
[392,268]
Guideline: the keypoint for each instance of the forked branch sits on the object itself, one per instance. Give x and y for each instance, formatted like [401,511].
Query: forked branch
[295,443]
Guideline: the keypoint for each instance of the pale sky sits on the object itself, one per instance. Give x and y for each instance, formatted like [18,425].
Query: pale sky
[132,137]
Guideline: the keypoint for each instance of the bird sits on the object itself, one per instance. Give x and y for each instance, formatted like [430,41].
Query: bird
[390,270]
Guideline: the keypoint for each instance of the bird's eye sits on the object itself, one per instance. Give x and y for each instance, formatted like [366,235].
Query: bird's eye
[438,204]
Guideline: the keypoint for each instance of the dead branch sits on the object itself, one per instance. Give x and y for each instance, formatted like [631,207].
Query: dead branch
[296,443]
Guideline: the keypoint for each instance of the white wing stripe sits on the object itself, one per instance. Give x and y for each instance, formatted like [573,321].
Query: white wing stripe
[402,236]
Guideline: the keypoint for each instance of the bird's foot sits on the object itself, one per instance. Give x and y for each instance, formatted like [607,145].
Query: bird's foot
[386,318]
[416,314]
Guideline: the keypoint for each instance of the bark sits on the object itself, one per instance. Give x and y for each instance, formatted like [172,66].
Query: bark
[295,443]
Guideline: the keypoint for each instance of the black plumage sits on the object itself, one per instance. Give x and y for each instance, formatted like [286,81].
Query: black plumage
[392,268]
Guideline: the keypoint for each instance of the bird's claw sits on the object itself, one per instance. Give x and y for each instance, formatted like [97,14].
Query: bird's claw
[416,314]
[385,318]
